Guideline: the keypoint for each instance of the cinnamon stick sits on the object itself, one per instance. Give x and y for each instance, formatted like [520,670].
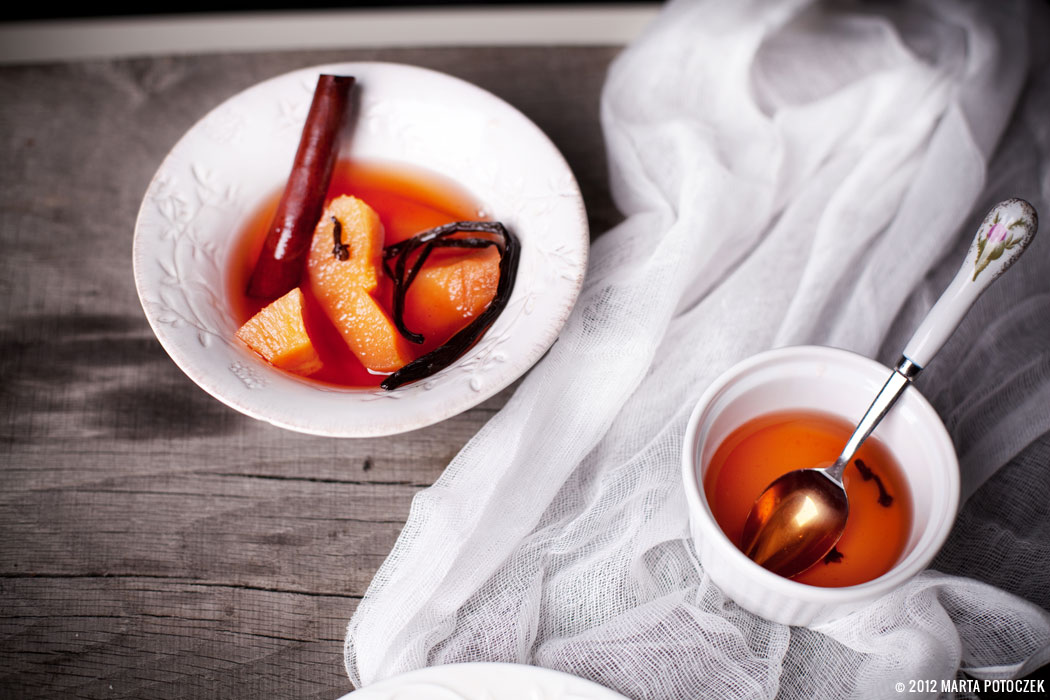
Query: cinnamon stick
[280,264]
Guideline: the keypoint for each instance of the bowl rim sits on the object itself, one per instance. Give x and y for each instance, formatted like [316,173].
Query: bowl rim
[524,356]
[700,511]
[505,673]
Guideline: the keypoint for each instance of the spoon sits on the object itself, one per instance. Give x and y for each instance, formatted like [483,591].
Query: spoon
[797,520]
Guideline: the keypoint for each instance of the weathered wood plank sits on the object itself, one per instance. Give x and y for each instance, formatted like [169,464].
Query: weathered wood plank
[283,534]
[146,637]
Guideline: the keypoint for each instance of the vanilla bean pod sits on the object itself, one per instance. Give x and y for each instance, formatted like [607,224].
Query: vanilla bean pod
[403,276]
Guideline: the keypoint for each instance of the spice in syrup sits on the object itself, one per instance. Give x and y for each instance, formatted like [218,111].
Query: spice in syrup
[834,556]
[755,454]
[884,499]
[340,250]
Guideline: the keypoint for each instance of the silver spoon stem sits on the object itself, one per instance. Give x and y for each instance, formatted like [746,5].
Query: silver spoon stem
[1003,235]
[900,380]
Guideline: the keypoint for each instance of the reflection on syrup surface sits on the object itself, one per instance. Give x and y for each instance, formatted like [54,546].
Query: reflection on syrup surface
[761,450]
[407,201]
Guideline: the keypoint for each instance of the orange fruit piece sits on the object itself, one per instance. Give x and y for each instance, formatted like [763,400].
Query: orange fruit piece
[278,333]
[451,291]
[344,287]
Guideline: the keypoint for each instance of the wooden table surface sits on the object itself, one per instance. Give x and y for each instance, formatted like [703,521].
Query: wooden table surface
[155,543]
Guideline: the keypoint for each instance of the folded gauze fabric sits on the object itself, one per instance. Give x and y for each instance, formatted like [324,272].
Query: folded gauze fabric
[790,173]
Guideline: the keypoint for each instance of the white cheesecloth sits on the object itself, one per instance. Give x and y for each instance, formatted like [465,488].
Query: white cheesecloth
[791,173]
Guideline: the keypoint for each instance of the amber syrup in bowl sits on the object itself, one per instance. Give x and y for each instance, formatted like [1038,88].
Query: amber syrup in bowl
[764,448]
[408,200]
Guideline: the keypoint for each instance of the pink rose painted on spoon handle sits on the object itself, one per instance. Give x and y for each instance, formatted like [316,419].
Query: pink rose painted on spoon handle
[999,236]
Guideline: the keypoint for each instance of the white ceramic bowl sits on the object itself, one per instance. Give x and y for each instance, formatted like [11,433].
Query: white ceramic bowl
[484,681]
[840,383]
[241,152]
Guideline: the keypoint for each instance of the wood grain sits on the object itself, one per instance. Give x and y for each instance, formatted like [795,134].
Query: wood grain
[156,544]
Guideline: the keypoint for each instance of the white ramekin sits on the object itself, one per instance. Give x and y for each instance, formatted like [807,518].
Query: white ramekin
[841,383]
